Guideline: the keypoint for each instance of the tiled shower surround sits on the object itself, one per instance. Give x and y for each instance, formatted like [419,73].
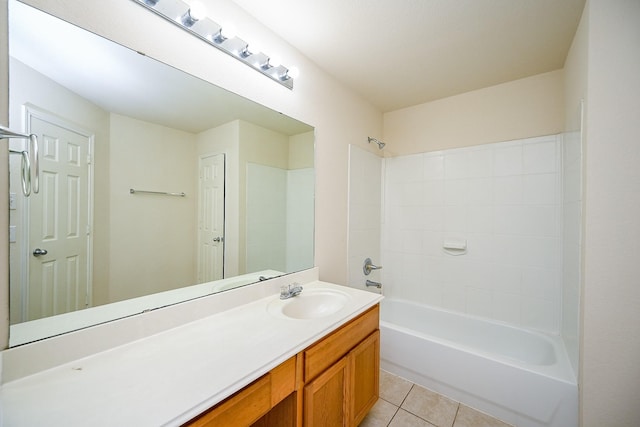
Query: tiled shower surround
[517,207]
[503,201]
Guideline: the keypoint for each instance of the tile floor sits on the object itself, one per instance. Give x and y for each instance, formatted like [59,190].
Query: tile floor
[404,404]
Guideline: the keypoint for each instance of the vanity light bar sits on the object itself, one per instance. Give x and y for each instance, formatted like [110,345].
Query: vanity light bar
[191,20]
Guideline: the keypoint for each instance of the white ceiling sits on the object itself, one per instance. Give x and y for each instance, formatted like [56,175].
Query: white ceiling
[398,53]
[394,53]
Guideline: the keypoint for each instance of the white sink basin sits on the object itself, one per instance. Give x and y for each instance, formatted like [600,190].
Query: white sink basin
[310,304]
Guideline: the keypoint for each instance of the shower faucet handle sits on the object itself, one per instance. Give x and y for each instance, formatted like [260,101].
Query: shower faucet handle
[369,267]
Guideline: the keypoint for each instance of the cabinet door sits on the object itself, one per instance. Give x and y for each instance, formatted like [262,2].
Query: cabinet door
[325,398]
[364,380]
[335,346]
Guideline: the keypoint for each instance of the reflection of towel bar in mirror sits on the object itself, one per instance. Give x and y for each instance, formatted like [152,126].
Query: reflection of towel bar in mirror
[25,176]
[162,193]
[26,162]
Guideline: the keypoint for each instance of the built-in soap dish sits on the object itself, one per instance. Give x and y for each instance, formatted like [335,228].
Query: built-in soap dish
[454,246]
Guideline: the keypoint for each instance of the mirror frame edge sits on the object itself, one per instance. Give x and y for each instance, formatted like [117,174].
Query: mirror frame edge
[4,183]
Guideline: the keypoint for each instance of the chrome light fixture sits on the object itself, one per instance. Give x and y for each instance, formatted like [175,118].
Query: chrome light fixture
[192,18]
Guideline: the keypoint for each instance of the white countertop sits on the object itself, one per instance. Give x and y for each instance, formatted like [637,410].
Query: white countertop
[170,377]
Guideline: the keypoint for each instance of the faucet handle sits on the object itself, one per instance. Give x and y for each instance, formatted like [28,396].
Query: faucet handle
[368,267]
[284,291]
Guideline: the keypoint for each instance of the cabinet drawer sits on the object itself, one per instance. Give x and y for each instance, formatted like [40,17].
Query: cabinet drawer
[241,409]
[325,353]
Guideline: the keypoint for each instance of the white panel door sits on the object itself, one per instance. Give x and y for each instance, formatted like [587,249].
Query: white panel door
[211,219]
[59,223]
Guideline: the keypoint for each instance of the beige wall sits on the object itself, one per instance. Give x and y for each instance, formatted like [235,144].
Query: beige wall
[575,80]
[263,146]
[522,108]
[146,255]
[611,292]
[301,150]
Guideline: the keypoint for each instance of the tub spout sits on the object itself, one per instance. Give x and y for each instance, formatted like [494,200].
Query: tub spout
[376,284]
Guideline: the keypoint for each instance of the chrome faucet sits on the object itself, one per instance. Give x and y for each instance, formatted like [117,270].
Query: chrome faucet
[290,291]
[368,267]
[375,284]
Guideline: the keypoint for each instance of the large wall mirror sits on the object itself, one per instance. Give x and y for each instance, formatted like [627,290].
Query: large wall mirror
[155,186]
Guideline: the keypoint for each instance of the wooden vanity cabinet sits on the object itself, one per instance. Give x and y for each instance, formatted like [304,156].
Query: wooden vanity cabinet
[325,398]
[332,383]
[254,401]
[364,371]
[342,374]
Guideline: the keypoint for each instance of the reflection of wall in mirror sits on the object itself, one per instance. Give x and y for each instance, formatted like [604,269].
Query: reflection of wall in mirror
[301,202]
[30,87]
[152,237]
[245,143]
[279,218]
[300,213]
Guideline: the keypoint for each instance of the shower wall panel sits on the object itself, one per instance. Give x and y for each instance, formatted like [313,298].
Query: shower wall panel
[501,201]
[365,205]
[571,242]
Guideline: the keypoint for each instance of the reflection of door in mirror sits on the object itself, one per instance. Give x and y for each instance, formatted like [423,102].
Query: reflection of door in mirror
[211,218]
[55,239]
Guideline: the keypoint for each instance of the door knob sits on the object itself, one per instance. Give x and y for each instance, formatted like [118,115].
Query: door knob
[218,239]
[38,252]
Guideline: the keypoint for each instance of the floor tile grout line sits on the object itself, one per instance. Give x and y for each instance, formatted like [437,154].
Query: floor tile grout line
[400,405]
[454,418]
[394,415]
[407,395]
[415,415]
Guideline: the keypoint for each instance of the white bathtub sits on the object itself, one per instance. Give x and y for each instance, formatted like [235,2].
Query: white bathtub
[518,376]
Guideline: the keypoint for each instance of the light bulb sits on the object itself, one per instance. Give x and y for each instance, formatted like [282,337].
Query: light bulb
[228,30]
[197,10]
[255,48]
[294,72]
[274,61]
